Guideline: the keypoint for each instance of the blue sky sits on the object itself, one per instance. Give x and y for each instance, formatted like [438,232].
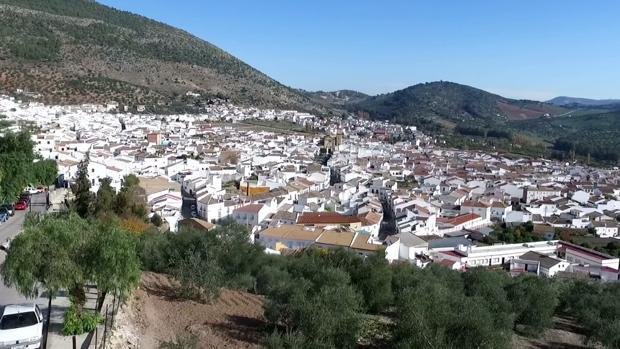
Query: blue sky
[518,48]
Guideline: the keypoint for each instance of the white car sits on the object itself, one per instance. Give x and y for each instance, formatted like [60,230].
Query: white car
[32,190]
[5,245]
[21,327]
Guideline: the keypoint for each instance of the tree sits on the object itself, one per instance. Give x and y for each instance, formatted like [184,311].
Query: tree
[130,200]
[596,307]
[154,251]
[323,310]
[16,157]
[489,285]
[426,316]
[534,301]
[372,277]
[114,265]
[105,199]
[330,317]
[44,172]
[81,190]
[43,257]
[65,252]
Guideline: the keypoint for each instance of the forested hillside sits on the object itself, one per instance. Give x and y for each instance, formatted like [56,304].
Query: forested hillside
[595,137]
[449,104]
[74,51]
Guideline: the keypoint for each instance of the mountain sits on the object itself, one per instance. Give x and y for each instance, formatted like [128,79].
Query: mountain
[336,98]
[79,51]
[450,103]
[584,102]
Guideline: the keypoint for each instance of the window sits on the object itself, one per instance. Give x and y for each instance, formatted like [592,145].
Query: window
[20,320]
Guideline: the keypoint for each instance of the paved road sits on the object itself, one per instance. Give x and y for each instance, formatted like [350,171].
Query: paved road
[10,229]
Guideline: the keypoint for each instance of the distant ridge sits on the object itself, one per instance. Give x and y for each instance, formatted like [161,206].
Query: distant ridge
[583,102]
[336,98]
[452,103]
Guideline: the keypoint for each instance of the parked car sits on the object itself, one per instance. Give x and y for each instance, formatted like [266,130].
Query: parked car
[21,326]
[9,208]
[31,190]
[4,215]
[5,245]
[20,206]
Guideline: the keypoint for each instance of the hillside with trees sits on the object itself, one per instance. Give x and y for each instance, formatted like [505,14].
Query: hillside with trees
[79,51]
[320,298]
[450,103]
[594,137]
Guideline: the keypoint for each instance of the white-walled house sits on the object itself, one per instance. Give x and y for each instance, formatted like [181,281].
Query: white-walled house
[538,193]
[98,171]
[466,221]
[605,229]
[479,208]
[539,264]
[406,247]
[500,210]
[251,215]
[213,209]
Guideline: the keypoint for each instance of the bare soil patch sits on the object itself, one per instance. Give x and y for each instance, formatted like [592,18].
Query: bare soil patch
[564,335]
[154,314]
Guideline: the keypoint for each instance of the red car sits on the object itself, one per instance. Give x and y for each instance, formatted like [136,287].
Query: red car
[21,206]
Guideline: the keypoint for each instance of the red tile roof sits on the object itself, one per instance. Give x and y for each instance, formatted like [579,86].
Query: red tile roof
[474,204]
[326,218]
[252,208]
[459,219]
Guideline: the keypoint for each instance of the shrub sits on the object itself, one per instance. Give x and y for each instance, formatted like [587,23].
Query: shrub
[77,323]
[181,342]
[156,220]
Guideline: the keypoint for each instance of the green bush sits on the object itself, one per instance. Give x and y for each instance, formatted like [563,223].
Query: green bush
[181,342]
[77,323]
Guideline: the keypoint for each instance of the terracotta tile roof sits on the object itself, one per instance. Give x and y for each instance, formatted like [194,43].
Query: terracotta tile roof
[474,204]
[371,218]
[292,232]
[252,208]
[360,242]
[459,219]
[326,218]
[198,223]
[335,238]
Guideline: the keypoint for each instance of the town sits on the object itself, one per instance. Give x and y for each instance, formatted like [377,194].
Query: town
[342,182]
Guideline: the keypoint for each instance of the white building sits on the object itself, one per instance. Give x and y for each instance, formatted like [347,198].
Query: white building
[538,193]
[539,264]
[251,215]
[496,255]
